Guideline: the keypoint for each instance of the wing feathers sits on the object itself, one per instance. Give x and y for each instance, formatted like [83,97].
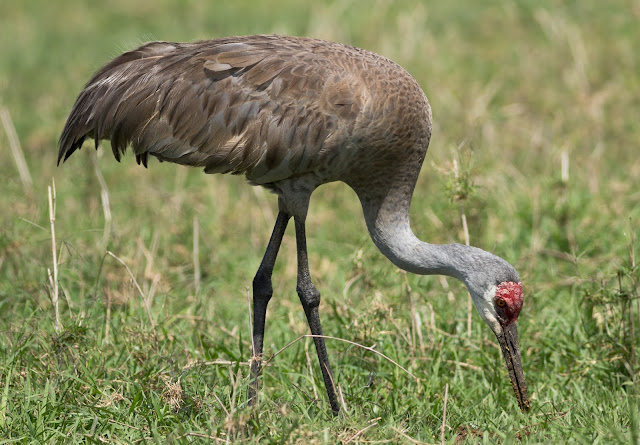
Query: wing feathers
[254,105]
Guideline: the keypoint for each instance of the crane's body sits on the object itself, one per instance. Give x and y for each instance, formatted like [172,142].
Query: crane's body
[272,108]
[291,114]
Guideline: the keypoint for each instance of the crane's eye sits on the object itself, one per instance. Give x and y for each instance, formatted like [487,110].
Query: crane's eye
[501,303]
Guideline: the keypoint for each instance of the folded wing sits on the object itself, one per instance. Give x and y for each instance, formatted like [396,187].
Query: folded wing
[264,106]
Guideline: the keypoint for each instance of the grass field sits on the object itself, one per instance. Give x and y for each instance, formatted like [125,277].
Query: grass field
[537,102]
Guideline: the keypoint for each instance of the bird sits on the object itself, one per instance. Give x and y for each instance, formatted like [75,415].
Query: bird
[291,114]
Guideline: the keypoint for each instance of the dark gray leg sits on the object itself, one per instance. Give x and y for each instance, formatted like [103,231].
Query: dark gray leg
[262,292]
[310,298]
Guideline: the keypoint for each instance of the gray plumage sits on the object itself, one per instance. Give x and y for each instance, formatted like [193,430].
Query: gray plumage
[290,114]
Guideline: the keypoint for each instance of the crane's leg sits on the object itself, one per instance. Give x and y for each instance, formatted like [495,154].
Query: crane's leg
[310,298]
[262,292]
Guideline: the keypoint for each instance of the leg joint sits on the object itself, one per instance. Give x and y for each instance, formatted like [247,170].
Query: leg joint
[309,296]
[262,288]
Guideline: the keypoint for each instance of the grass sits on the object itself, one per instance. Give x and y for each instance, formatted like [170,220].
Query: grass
[539,99]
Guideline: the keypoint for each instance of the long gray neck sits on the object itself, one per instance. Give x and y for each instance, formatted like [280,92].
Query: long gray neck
[392,234]
[387,218]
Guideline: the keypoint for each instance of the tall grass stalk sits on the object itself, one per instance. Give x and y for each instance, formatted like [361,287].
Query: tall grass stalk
[104,197]
[53,280]
[196,256]
[16,149]
[443,426]
[145,299]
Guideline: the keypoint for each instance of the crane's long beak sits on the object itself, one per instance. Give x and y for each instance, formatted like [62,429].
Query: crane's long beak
[511,350]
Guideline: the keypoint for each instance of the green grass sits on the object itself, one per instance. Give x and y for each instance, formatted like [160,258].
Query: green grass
[515,86]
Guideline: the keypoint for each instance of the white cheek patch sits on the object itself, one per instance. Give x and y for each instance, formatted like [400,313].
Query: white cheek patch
[486,309]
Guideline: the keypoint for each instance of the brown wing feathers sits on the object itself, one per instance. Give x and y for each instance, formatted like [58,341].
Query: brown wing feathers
[243,106]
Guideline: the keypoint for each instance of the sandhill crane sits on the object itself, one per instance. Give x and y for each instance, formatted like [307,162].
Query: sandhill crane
[291,114]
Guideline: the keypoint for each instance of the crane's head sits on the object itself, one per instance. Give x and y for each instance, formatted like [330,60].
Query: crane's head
[499,305]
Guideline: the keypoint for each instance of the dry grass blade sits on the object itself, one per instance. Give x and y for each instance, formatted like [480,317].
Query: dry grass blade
[416,322]
[310,366]
[127,425]
[224,408]
[108,318]
[343,404]
[16,149]
[215,362]
[5,397]
[564,166]
[135,282]
[104,197]
[53,280]
[409,438]
[203,436]
[373,423]
[444,412]
[196,255]
[326,337]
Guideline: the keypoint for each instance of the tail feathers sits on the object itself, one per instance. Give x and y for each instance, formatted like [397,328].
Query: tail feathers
[115,103]
[88,120]
[94,115]
[72,138]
